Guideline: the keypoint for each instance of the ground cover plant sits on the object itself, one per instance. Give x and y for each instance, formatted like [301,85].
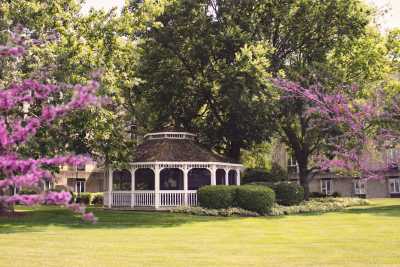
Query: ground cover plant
[315,205]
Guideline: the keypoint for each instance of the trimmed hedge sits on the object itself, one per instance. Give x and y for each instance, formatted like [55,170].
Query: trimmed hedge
[97,199]
[27,191]
[288,194]
[217,196]
[84,198]
[87,198]
[255,198]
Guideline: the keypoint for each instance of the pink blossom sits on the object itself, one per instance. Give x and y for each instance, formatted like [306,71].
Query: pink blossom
[90,217]
[21,171]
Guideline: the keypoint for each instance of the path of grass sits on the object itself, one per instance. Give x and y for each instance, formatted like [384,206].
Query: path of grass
[48,236]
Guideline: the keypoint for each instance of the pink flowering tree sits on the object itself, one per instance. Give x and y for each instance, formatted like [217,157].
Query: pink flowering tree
[354,131]
[25,107]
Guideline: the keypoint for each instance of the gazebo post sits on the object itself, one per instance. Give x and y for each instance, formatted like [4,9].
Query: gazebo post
[213,175]
[237,177]
[157,186]
[110,183]
[133,187]
[185,185]
[227,177]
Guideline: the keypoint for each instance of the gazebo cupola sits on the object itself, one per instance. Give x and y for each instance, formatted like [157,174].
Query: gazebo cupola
[168,168]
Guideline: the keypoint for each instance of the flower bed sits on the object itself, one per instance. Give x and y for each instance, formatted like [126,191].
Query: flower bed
[318,205]
[314,205]
[215,212]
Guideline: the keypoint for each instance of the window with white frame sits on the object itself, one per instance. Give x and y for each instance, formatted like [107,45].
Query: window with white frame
[48,185]
[292,165]
[359,187]
[394,185]
[81,167]
[327,186]
[80,186]
[392,156]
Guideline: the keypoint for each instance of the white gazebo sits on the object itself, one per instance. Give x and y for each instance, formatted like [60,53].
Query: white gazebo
[168,169]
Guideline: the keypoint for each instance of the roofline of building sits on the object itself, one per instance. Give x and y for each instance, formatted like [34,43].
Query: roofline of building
[189,162]
[169,132]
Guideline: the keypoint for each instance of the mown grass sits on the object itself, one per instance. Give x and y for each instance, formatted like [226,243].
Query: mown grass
[50,236]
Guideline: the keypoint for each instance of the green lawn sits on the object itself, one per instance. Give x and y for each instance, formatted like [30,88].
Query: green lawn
[48,236]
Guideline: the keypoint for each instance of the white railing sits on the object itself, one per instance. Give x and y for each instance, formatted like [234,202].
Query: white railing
[143,199]
[192,198]
[121,199]
[128,199]
[172,198]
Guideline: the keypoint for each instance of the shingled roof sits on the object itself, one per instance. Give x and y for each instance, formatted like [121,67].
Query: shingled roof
[152,150]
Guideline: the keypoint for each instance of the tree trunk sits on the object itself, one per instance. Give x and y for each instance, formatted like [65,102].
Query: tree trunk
[302,161]
[4,207]
[304,182]
[234,150]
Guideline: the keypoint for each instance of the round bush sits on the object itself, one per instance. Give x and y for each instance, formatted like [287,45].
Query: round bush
[288,194]
[83,198]
[216,196]
[255,198]
[97,199]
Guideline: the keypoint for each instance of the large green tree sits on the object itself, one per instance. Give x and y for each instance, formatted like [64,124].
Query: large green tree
[205,65]
[203,71]
[82,44]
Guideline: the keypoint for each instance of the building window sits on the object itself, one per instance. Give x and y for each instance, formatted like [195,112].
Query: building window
[292,165]
[48,185]
[80,185]
[359,187]
[394,185]
[326,186]
[81,167]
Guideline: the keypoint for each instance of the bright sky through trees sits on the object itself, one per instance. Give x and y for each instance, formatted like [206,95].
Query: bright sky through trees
[390,20]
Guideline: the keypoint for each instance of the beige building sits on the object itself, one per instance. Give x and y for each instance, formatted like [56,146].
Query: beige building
[84,178]
[330,183]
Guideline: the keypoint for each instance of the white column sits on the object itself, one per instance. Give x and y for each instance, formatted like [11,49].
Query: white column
[133,187]
[213,175]
[110,183]
[185,185]
[157,186]
[226,177]
[238,177]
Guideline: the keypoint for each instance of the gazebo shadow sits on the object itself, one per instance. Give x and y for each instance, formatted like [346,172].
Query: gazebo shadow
[38,219]
[390,210]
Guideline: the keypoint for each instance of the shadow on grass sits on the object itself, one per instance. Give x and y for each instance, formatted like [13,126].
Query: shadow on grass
[389,210]
[36,219]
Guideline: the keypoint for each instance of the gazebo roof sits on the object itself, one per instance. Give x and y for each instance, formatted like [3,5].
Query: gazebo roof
[174,146]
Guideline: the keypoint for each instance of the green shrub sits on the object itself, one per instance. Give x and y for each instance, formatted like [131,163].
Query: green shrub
[255,198]
[97,199]
[217,196]
[83,198]
[276,174]
[27,191]
[336,194]
[288,193]
[317,194]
